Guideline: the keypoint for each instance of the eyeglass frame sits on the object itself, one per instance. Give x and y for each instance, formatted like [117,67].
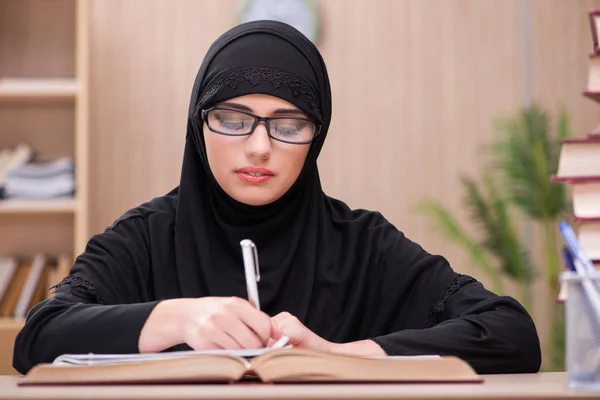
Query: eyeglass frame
[257,119]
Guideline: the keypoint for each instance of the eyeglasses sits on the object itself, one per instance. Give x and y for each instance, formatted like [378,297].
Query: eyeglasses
[227,121]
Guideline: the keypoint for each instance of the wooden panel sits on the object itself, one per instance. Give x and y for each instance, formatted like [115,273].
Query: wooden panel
[425,79]
[140,83]
[82,143]
[23,235]
[9,328]
[413,100]
[37,38]
[47,128]
[416,86]
[560,44]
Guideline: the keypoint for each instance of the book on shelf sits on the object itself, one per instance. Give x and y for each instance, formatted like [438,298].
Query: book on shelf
[8,267]
[26,176]
[266,365]
[57,272]
[24,283]
[13,158]
[41,179]
[31,287]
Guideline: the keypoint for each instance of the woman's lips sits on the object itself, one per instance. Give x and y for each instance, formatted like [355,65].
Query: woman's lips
[253,174]
[253,179]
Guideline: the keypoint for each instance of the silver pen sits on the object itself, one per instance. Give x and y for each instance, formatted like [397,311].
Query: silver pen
[251,270]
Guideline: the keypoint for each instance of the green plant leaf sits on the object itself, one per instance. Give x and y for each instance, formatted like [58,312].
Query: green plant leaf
[452,230]
[526,155]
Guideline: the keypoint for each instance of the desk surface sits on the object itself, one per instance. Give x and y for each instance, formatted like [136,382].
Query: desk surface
[527,386]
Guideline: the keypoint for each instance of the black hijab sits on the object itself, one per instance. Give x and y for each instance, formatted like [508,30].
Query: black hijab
[317,258]
[258,57]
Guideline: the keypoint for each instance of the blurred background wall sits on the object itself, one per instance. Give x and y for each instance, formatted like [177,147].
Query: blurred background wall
[416,85]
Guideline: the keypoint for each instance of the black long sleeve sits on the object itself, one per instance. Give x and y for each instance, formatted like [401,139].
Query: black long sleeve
[493,333]
[409,301]
[100,308]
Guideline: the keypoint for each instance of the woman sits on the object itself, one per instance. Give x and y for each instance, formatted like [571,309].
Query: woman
[169,274]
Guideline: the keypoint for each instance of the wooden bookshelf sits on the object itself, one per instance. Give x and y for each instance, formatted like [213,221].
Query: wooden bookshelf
[44,104]
[9,327]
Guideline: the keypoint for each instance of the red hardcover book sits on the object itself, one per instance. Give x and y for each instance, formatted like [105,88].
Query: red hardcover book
[575,179]
[590,138]
[592,95]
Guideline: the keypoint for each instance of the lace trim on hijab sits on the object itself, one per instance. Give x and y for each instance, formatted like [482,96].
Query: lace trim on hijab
[440,306]
[77,281]
[257,75]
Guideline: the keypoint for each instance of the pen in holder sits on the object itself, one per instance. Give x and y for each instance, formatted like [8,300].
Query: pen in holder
[582,330]
[582,315]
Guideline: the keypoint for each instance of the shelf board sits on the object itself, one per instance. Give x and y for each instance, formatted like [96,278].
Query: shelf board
[59,206]
[11,323]
[38,88]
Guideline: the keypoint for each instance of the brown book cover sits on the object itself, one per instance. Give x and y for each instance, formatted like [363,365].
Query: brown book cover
[283,365]
[8,268]
[29,288]
[592,95]
[11,297]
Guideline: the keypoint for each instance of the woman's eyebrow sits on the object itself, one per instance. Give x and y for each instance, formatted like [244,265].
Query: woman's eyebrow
[236,105]
[289,111]
[243,107]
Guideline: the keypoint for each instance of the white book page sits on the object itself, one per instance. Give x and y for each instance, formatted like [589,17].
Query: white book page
[98,359]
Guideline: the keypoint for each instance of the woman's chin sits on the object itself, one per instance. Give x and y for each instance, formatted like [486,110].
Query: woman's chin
[255,199]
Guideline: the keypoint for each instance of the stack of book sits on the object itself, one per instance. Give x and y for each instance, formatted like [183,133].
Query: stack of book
[24,177]
[11,159]
[26,282]
[579,164]
[41,180]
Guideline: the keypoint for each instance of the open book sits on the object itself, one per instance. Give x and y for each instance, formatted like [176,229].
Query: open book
[268,365]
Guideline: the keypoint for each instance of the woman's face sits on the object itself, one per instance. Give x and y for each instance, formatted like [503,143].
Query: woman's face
[255,169]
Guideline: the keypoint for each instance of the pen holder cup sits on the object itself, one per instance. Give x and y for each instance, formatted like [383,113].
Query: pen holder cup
[582,310]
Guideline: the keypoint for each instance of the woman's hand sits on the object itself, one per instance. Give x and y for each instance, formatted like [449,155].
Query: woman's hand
[206,323]
[299,335]
[302,337]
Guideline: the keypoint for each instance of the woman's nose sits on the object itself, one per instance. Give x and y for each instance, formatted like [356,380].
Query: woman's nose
[259,142]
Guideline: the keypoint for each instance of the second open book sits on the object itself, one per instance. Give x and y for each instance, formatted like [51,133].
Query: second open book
[281,365]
